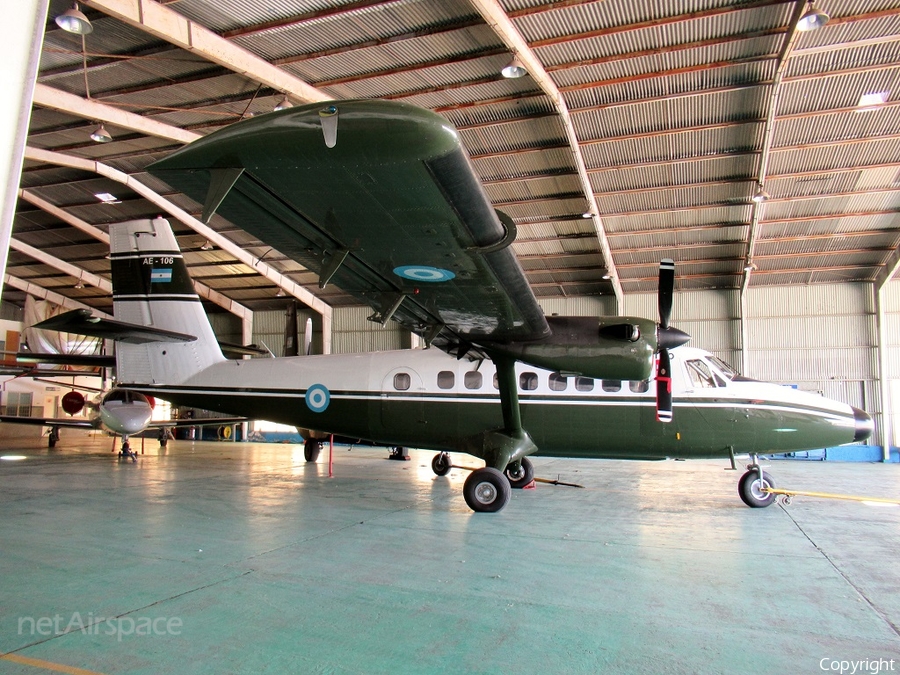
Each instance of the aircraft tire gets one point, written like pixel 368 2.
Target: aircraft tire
pixel 748 489
pixel 524 476
pixel 486 490
pixel 440 464
pixel 311 449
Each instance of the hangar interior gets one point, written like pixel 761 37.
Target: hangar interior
pixel 754 142
pixel 760 156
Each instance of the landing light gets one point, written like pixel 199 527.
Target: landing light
pixel 12 458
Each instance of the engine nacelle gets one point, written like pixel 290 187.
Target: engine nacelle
pixel 614 348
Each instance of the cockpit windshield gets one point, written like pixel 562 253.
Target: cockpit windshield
pixel 726 370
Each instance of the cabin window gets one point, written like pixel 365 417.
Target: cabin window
pixel 446 379
pixel 584 384
pixel 401 381
pixel 639 386
pixel 472 380
pixel 528 381
pixel 611 385
pixel 701 377
pixel 558 382
pixel 496 382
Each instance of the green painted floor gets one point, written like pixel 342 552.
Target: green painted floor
pixel 241 558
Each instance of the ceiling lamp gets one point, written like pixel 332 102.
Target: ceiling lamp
pixel 760 196
pixel 280 293
pixel 207 246
pixel 284 104
pixel 514 69
pixel 101 135
pixel 73 21
pixel 813 19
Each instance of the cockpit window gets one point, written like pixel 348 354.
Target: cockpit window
pixel 727 370
pixel 700 374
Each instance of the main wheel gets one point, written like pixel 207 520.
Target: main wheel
pixel 522 477
pixel 440 464
pixel 486 490
pixel 750 490
pixel 311 449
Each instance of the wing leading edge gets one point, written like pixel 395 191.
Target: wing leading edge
pixel 379 198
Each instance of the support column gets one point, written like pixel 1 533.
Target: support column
pixel 745 336
pixel 21 54
pixel 884 383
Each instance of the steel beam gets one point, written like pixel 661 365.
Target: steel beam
pixel 55 99
pixel 50 296
pixel 279 279
pixel 169 25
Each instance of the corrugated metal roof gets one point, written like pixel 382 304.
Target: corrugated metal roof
pixel 667 99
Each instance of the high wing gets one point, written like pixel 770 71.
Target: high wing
pixel 50 421
pixel 379 198
pixel 198 422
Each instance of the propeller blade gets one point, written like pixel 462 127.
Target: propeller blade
pixel 663 387
pixel 666 290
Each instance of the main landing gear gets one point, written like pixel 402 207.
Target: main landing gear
pixel 752 484
pixel 488 490
pixel 311 449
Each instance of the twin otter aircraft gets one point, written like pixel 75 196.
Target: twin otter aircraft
pixel 380 198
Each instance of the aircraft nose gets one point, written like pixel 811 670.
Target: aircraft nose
pixel 864 424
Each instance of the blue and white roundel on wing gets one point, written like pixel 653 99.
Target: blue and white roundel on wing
pixel 317 398
pixel 424 273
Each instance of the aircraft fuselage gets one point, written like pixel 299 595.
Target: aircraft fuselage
pixel 428 399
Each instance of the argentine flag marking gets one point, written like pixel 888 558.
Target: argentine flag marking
pixel 161 275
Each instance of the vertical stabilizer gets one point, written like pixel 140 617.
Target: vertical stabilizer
pixel 152 287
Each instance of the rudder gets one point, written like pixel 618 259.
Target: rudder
pixel 152 287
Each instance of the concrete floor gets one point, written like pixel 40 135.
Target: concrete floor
pixel 251 561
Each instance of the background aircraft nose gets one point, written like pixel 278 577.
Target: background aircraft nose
pixel 864 425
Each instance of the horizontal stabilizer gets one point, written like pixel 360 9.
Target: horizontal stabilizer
pixel 94 360
pixel 241 350
pixel 83 322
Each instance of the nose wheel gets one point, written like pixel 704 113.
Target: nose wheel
pixel 751 485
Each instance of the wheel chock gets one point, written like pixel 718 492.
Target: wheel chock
pixel 530 486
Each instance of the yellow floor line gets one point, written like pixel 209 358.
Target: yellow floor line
pixel 47 665
pixel 826 495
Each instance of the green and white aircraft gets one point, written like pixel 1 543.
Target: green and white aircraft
pixel 380 198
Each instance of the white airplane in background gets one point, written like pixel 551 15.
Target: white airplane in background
pixel 121 411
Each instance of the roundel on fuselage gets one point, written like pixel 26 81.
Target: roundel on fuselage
pixel 317 398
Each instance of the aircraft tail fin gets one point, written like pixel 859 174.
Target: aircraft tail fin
pixel 152 287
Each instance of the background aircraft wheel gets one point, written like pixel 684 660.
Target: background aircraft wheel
pixel 311 449
pixel 523 476
pixel 440 464
pixel 486 490
pixel 751 491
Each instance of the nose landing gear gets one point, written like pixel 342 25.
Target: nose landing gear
pixel 752 484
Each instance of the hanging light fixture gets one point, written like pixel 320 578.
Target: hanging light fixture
pixel 280 293
pixel 514 69
pixel 760 196
pixel 284 104
pixel 74 21
pixel 101 135
pixel 813 19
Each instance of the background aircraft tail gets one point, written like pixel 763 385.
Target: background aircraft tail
pixel 152 287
